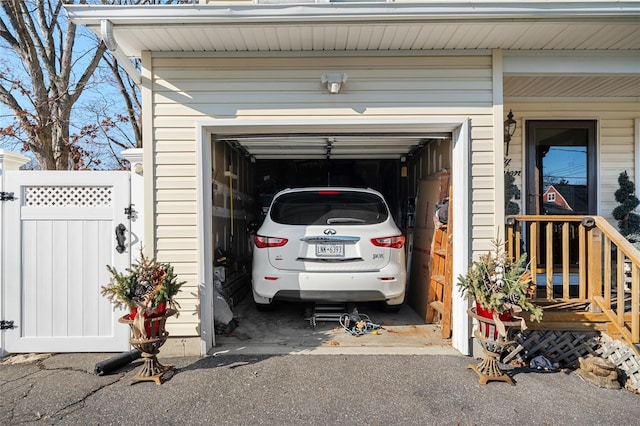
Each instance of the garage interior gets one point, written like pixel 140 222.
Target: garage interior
pixel 248 169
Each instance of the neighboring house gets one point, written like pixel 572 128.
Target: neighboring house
pixel 236 92
pixel 566 199
pixel 553 196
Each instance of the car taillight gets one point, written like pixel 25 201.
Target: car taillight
pixel 265 242
pixel 391 242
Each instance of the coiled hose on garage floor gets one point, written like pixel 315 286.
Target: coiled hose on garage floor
pixel 358 324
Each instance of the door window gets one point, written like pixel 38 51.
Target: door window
pixel 561 178
pixel 561 172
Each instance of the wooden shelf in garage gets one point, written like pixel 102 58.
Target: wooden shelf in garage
pixel 440 278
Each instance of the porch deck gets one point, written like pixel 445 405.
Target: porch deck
pixel 587 275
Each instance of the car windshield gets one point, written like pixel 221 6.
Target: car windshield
pixel 329 207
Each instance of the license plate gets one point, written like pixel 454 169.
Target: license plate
pixel 330 250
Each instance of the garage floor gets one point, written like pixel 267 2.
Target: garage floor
pixel 285 330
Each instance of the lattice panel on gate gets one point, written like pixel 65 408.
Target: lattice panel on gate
pixel 625 359
pixel 563 347
pixel 67 196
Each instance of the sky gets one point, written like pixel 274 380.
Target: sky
pixel 566 162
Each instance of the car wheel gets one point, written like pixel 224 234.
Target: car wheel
pixel 264 307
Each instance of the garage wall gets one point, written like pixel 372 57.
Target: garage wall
pixel 616 138
pixel 192 88
pixel 232 177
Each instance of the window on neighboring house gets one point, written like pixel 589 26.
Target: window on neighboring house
pixel 551 196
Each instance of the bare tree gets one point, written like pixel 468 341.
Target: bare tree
pixel 44 41
pixel 130 92
pixel 131 116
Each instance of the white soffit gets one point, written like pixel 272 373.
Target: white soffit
pixel 572 86
pixel 596 29
pixel 575 74
pixel 404 26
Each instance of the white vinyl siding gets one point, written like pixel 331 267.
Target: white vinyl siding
pixel 187 90
pixel 615 138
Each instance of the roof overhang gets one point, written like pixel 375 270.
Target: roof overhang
pixel 348 26
pixel 569 49
pixel 550 48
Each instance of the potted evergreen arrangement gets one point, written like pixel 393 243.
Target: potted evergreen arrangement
pixel 501 287
pixel 628 220
pixel 148 287
pixel 624 213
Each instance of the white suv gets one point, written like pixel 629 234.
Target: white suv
pixel 329 245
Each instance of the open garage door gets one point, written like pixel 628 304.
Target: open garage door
pixel 239 158
pixel 248 169
pixel 333 146
pixel 385 161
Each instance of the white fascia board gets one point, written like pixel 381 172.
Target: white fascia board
pixel 473 10
pixel 319 54
pixel 577 63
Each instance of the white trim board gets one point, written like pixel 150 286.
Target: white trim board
pixel 459 126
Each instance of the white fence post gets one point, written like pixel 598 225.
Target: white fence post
pixel 134 156
pixel 8 161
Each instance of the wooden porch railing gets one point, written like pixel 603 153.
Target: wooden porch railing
pixel 586 272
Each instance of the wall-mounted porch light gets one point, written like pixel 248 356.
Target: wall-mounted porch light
pixel 333 81
pixel 509 130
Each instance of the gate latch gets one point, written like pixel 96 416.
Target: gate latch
pixel 7 325
pixel 130 212
pixel 7 196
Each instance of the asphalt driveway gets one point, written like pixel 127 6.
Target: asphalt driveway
pixel 302 389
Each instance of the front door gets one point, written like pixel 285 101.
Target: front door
pixel 561 175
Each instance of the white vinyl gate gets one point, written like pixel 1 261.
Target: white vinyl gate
pixel 59 234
